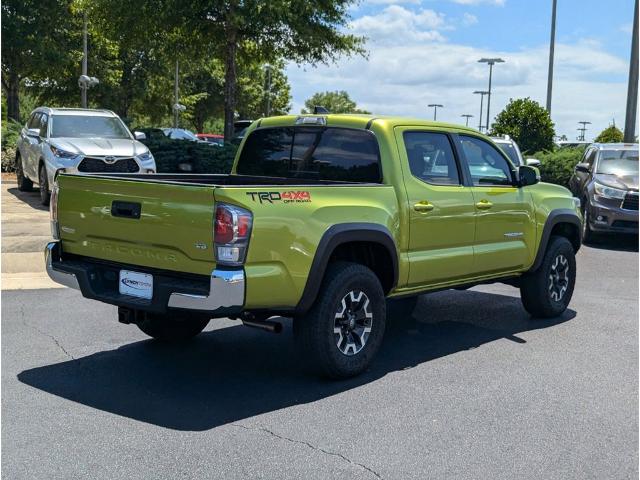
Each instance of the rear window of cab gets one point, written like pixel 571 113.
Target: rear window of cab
pixel 313 153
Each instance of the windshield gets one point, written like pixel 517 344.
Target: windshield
pixel 511 152
pixel 618 162
pixel 86 126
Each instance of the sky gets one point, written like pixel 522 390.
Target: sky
pixel 427 51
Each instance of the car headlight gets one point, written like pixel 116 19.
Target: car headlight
pixel 62 153
pixel 145 157
pixel 609 192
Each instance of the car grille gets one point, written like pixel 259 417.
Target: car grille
pixel 98 165
pixel 630 201
pixel 624 224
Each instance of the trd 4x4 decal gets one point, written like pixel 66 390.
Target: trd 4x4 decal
pixel 292 196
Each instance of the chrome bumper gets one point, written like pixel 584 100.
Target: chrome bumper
pixel 63 278
pixel 225 290
pixel 226 287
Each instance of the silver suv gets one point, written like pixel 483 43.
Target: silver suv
pixel 76 140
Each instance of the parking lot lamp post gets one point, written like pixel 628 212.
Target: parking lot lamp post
pixel 482 93
pixel 491 62
pixel 632 90
pixel 85 81
pixel 435 109
pixel 267 69
pixel 583 129
pixel 552 45
pixel 467 117
pixel 176 98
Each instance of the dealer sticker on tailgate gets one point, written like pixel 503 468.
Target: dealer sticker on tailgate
pixel 136 284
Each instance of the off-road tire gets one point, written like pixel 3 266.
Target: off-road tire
pixel 540 295
pixel 43 184
pixel 315 333
pixel 24 184
pixel 172 328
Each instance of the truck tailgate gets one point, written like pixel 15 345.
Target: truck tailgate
pixel 167 226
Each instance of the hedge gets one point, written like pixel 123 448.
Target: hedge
pixel 557 166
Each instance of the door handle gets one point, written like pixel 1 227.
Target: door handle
pixel 423 206
pixel 484 205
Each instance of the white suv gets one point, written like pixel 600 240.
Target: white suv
pixel 510 147
pixel 76 140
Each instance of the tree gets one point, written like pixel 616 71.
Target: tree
pixel 296 30
pixel 528 123
pixel 611 134
pixel 336 102
pixel 38 40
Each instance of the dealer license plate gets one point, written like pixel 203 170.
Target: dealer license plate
pixel 136 284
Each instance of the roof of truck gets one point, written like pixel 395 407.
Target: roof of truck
pixel 359 121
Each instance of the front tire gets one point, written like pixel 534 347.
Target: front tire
pixel 587 233
pixel 546 293
pixel 24 184
pixel 43 181
pixel 343 330
pixel 171 328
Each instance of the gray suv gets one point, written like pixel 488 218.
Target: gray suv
pixel 606 182
pixel 76 140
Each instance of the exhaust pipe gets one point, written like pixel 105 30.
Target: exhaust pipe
pixel 268 325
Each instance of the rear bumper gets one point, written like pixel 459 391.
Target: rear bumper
pixel 219 295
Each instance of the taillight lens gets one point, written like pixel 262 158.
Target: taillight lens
pixel 232 229
pixel 53 212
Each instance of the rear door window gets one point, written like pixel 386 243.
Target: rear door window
pixel 314 153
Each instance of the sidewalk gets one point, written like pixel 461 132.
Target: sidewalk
pixel 25 232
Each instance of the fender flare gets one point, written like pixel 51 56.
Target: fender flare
pixel 557 216
pixel 335 236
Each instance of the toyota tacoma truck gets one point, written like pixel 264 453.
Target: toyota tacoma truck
pixel 324 218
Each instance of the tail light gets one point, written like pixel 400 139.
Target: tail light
pixel 231 232
pixel 53 212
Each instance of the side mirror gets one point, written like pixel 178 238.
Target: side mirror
pixel 582 168
pixel 532 162
pixel 140 135
pixel 528 175
pixel 33 132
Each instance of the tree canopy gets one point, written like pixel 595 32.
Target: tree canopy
pixel 611 134
pixel 336 102
pixel 528 123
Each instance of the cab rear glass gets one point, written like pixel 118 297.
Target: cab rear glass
pixel 313 153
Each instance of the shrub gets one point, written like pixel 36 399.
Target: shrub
pixel 202 158
pixel 611 134
pixel 10 133
pixel 557 166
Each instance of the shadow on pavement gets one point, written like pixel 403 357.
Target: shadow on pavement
pixel 30 198
pixel 615 242
pixel 234 373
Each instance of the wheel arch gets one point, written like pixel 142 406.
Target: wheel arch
pixel 562 222
pixel 369 244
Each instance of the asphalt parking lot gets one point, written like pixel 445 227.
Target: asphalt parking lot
pixel 474 390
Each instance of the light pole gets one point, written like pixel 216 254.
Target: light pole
pixel 482 93
pixel 467 117
pixel 435 109
pixel 552 44
pixel 583 129
pixel 177 107
pixel 632 91
pixel 491 62
pixel 85 81
pixel 267 69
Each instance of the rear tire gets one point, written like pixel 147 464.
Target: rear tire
pixel 24 184
pixel 546 293
pixel 43 181
pixel 171 328
pixel 343 330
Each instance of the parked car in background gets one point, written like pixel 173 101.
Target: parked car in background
pixel 76 141
pixel 181 134
pixel 212 138
pixel 606 182
pixel 510 147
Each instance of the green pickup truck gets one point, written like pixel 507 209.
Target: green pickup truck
pixel 328 219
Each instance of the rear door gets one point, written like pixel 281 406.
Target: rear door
pixel 505 225
pixel 442 223
pixel 31 150
pixel 155 224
